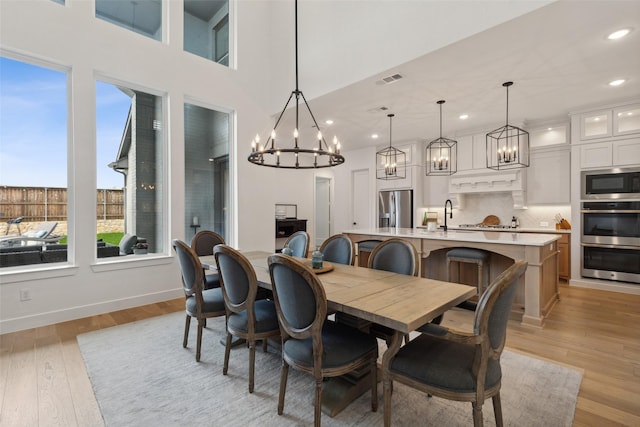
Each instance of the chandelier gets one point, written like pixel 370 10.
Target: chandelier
pixel 507 146
pixel 442 154
pixel 391 161
pixel 317 154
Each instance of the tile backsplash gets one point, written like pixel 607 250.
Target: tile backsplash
pixel 477 206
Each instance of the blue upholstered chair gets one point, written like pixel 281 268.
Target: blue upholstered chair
pixel 460 366
pixel 338 248
pixel 310 342
pixel 298 242
pixel 202 244
pixel 199 303
pixel 247 317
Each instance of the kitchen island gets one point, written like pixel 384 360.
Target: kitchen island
pixel 536 296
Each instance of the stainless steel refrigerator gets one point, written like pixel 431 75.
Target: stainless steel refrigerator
pixel 395 208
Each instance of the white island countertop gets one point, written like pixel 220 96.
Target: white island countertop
pixel 501 237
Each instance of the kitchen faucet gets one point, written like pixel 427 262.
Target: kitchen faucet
pixel 448 202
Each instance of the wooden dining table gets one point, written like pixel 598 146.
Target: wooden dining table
pixel 401 302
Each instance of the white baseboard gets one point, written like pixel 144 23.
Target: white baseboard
pixel 606 285
pixel 72 313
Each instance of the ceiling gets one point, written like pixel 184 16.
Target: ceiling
pixel 558 57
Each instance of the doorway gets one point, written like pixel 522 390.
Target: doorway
pixel 323 210
pixel 360 199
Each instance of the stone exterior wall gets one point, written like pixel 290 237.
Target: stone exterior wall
pixel 104 226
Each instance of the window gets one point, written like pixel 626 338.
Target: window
pixel 206 29
pixel 130 152
pixel 207 186
pixel 142 16
pixel 33 162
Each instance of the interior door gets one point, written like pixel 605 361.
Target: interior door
pixel 323 209
pixel 360 200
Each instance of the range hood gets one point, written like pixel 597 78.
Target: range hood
pixel 475 182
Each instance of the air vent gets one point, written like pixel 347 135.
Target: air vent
pixel 389 79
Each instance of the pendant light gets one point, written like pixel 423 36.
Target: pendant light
pixel 442 154
pixel 507 146
pixel 391 162
pixel 317 154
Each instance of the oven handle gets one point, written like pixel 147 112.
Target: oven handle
pixel 631 211
pixel 595 245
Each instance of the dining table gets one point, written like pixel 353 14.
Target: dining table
pixel 400 302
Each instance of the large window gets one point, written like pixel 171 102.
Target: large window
pixel 206 29
pixel 142 16
pixel 130 147
pixel 207 186
pixel 33 164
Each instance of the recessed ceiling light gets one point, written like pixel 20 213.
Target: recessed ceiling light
pixel 464 116
pixel 619 34
pixel 329 122
pixel 374 136
pixel 549 129
pixel 617 82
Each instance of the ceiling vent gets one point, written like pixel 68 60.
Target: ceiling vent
pixel 389 79
pixel 378 109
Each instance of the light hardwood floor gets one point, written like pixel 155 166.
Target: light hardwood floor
pixel 43 381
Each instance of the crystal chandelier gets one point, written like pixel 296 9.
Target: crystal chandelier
pixel 507 146
pixel 317 154
pixel 442 154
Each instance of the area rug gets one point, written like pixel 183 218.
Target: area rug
pixel 142 376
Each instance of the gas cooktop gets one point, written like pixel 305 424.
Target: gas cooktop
pixel 484 226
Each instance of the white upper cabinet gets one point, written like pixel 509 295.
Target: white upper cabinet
pixel 622 152
pixel 472 151
pixel 465 153
pixel 595 125
pixel 626 120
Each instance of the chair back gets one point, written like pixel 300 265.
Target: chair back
pixel 395 255
pixel 204 241
pixel 237 279
pixel 190 268
pixel 338 248
pixel 494 306
pixel 301 302
pixel 126 244
pixel 298 242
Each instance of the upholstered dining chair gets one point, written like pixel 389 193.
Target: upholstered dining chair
pixel 398 256
pixel 298 242
pixel 247 317
pixel 459 366
pixel 200 303
pixel 310 342
pixel 202 244
pixel 338 248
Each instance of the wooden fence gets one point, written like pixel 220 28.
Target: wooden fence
pixel 50 204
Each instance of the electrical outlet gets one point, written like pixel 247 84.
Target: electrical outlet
pixel 544 224
pixel 25 294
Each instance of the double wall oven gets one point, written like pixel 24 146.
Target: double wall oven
pixel 611 224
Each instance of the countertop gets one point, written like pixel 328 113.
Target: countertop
pixel 510 230
pixel 464 235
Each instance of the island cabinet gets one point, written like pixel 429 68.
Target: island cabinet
pixel 537 292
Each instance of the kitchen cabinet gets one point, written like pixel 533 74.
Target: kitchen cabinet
pixel 548 177
pixel 435 190
pixel 564 257
pixel 472 151
pixel 596 124
pixel 622 152
pixel 626 120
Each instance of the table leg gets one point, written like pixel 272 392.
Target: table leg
pixel 388 355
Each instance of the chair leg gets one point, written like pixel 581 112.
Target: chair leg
pixel 477 414
pixel 283 386
pixel 200 325
pixel 386 390
pixel 264 345
pixel 497 410
pixel 227 350
pixel 252 362
pixel 374 384
pixel 317 413
pixel 187 323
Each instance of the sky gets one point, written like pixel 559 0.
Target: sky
pixel 33 127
